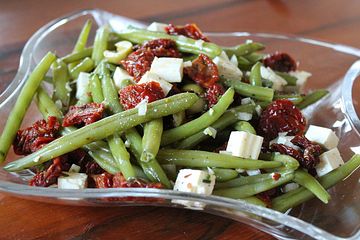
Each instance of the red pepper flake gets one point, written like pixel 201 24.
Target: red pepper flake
pixel 281 62
pixel 139 62
pixel 87 113
pixel 189 30
pixel 213 94
pixel 276 176
pixel 132 95
pixel 281 116
pixel 33 138
pixel 203 71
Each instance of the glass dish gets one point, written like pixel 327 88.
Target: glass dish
pixel 328 63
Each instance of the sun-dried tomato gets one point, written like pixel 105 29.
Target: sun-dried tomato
pixel 107 180
pixel 281 116
pixel 139 62
pixel 203 71
pixel 276 176
pixel 33 138
pixel 213 94
pixel 132 95
pixel 307 155
pixel 87 113
pixel 51 174
pixel 189 30
pixel 281 62
pixel 162 48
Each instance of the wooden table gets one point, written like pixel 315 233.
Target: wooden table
pixel 330 20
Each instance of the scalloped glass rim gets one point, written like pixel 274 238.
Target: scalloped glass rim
pixel 217 205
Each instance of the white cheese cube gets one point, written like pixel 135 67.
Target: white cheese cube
pixel 253 172
pixel 234 60
pixel 169 69
pixel 289 187
pixel 194 181
pixel 226 68
pixel 301 76
pixel 323 136
pixel 74 168
pixel 120 75
pixel 244 144
pixel 82 84
pixel 329 161
pixel 187 64
pixel 72 181
pixel 286 140
pixel 157 27
pixel 152 77
pixel 268 74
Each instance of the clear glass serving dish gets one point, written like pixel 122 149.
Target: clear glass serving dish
pixel 329 64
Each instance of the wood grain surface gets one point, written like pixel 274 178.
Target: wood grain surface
pixel 330 20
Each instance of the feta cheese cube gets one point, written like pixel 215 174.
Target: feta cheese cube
pixel 286 140
pixel 194 181
pixel 268 74
pixel 329 161
pixel 120 75
pixel 169 69
pixel 187 64
pixel 234 60
pixel 210 131
pixel 301 76
pixel 226 68
pixel 82 84
pixel 323 136
pixel 289 187
pixel 157 27
pixel 152 77
pixel 142 106
pixel 74 168
pixel 253 172
pixel 244 144
pixel 72 181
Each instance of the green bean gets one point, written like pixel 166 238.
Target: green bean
pixel 121 155
pixel 312 98
pixel 255 188
pixel 300 195
pixel 152 169
pixel 244 126
pixel 255 75
pixel 100 44
pixel 243 49
pixel 151 139
pixel 201 159
pixel 291 80
pixel 82 40
pixel 98 150
pixel 110 94
pixel 95 88
pixel 295 98
pixel 85 65
pixel 256 92
pixel 255 201
pixel 22 104
pixel 192 87
pixel 227 119
pixel 60 81
pixel 201 122
pixel 104 128
pixel 306 180
pixel 75 57
pixel 289 163
pixel 254 57
pixel 223 175
pixel 184 44
pixel 241 181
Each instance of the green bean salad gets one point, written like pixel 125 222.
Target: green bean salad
pixel 164 107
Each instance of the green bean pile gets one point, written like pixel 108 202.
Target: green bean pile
pixel 172 134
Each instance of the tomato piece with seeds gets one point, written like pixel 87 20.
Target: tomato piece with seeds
pixel 84 114
pixel 281 62
pixel 189 30
pixel 203 71
pixel 213 94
